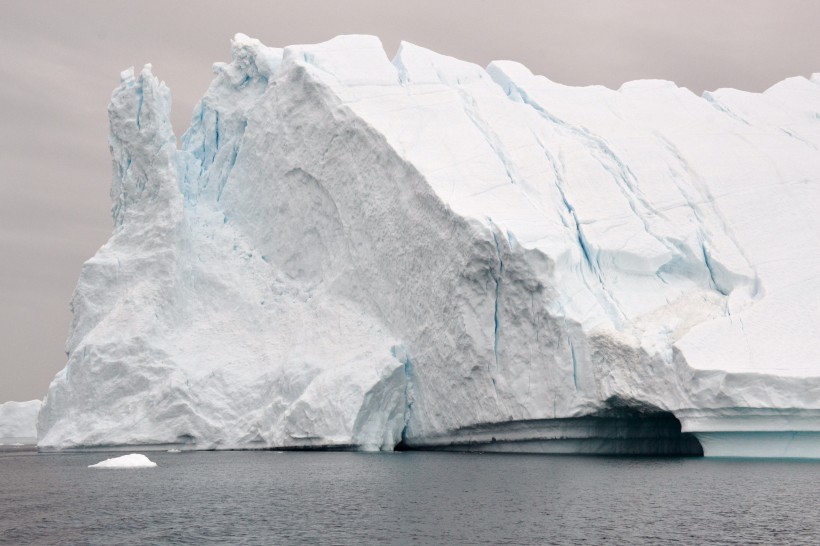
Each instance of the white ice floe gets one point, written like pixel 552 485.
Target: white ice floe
pixel 134 460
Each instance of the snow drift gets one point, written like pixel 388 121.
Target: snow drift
pixel 349 252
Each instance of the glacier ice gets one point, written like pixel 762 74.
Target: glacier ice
pixel 134 460
pixel 18 421
pixel 353 252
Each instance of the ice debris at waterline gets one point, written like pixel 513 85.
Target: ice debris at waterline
pixel 349 252
pixel 134 460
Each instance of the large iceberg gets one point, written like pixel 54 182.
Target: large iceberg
pixel 349 252
pixel 18 421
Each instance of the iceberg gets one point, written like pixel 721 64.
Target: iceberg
pixel 18 422
pixel 134 460
pixel 349 252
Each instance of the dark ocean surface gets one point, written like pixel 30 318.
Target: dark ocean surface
pixel 411 497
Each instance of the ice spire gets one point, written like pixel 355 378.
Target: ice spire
pixel 142 141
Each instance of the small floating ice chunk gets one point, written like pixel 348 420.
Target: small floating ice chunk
pixel 134 460
pixel 174 450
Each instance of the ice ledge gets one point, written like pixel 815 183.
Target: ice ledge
pixel 758 445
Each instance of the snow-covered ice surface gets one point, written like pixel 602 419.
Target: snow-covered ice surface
pixel 352 252
pixel 18 422
pixel 134 460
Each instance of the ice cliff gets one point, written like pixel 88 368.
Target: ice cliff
pixel 18 421
pixel 351 252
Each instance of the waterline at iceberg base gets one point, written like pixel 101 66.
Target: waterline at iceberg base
pixel 352 252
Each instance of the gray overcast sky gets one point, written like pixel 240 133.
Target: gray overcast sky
pixel 60 60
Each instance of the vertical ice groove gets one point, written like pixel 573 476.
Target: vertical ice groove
pixel 497 294
pixel 622 175
pixel 691 202
pixel 216 132
pixel 625 181
pixel 401 70
pixel 708 263
pixel 559 185
pixel 792 134
pixel 574 364
pixel 237 145
pixel 469 106
pixel 224 179
pixel 140 98
pixel 471 110
pixel 408 400
pixel 327 148
pixel 197 152
pixel 704 197
pixel 496 323
pixel 607 298
pixel 721 107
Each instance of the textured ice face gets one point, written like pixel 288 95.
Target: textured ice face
pixel 18 420
pixel 348 251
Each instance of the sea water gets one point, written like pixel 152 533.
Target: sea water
pixel 412 497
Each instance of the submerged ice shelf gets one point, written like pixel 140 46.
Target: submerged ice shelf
pixel 353 252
